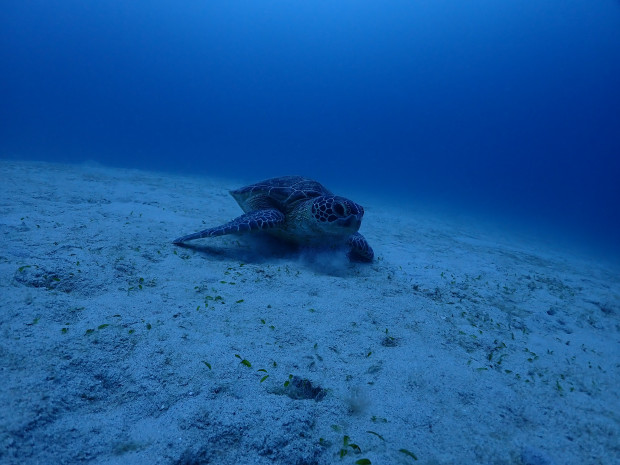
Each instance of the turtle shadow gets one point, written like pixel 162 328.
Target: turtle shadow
pixel 252 250
pixel 260 250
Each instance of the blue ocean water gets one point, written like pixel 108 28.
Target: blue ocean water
pixel 510 107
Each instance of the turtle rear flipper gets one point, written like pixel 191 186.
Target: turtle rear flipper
pixel 257 220
pixel 360 249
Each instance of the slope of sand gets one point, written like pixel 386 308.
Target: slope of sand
pixel 454 346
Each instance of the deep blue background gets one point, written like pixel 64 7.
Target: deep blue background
pixel 508 107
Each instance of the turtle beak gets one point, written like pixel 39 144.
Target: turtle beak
pixel 351 221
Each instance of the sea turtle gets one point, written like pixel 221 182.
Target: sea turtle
pixel 298 210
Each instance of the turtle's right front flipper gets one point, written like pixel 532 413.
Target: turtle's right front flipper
pixel 360 249
pixel 257 220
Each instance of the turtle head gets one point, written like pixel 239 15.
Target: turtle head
pixel 337 214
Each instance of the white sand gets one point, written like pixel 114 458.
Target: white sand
pixel 458 345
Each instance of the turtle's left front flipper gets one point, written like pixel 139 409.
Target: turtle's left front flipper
pixel 257 220
pixel 360 250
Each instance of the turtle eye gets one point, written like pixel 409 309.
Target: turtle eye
pixel 339 209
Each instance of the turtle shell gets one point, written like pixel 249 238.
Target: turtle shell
pixel 281 193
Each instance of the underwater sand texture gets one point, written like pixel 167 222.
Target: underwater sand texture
pixel 455 346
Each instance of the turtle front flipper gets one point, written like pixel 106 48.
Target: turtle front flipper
pixel 257 220
pixel 360 250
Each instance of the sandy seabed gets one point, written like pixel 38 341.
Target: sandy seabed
pixel 457 345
